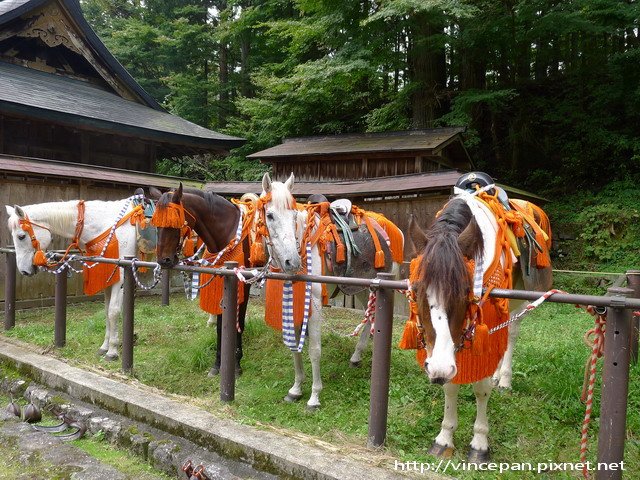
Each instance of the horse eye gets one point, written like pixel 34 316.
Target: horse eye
pixel 22 236
pixel 269 216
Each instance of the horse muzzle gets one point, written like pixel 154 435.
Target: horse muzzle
pixel 168 262
pixel 440 374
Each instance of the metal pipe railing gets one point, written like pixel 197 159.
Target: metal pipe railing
pixel 620 334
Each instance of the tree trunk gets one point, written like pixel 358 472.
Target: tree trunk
pixel 427 69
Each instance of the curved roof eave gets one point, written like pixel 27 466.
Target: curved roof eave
pixel 15 8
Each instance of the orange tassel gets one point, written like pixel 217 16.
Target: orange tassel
pixel 257 254
pixel 39 259
pixel 543 260
pixel 379 263
pixel 409 340
pixel 421 356
pixel 188 249
pixel 340 253
pixel 169 216
pixel 102 275
pixel 480 342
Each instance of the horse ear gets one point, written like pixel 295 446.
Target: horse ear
pixel 154 193
pixel 471 241
pixel 177 195
pixel 19 211
pixel 10 210
pixel 266 182
pixel 289 182
pixel 417 239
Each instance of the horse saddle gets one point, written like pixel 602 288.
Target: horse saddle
pixel 341 214
pixel 146 235
pixel 362 264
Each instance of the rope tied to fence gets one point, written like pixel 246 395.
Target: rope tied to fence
pixel 593 338
pixel 370 312
pixel 156 275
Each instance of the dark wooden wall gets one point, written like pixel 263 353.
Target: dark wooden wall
pixel 336 168
pixel 31 138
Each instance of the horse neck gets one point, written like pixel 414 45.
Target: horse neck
pixel 215 223
pixel 59 217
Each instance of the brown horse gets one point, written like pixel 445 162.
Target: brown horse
pixel 470 239
pixel 215 220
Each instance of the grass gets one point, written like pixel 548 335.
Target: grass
pixel 12 461
pixel 539 421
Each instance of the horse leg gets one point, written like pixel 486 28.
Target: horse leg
pixel 479 451
pixel 443 444
pixel 105 344
pixel 356 358
pixel 212 320
pixel 502 377
pixel 315 349
pixel 215 368
pixel 115 295
pixel 295 393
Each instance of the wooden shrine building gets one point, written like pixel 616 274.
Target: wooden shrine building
pixel 74 123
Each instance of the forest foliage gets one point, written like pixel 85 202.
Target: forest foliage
pixel 549 89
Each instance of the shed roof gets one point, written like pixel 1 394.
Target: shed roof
pixel 372 187
pixel 431 140
pixel 52 97
pixel 397 185
pixel 23 166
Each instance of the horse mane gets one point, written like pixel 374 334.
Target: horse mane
pixel 281 197
pixel 62 218
pixel 443 264
pixel 209 197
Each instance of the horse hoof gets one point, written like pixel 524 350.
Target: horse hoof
pixel 111 357
pixel 355 364
pixel 213 372
pixel 312 408
pixel 440 451
pixel 478 456
pixel 292 398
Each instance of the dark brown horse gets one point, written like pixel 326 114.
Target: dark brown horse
pixel 470 240
pixel 215 220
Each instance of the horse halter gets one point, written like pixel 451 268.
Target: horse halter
pixel 39 258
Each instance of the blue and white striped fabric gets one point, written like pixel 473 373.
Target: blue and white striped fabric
pixel 478 277
pixel 288 327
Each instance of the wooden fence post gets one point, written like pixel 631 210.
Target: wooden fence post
pixel 381 364
pixel 60 321
pixel 129 288
pixel 615 388
pixel 166 286
pixel 10 291
pixel 228 340
pixel 633 282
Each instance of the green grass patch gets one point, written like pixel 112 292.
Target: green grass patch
pixel 539 421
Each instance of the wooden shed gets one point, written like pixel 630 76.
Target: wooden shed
pixel 394 173
pixel 73 122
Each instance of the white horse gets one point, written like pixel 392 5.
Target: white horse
pixel 60 218
pixel 285 225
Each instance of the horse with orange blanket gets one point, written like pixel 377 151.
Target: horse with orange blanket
pixel 475 244
pixel 303 239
